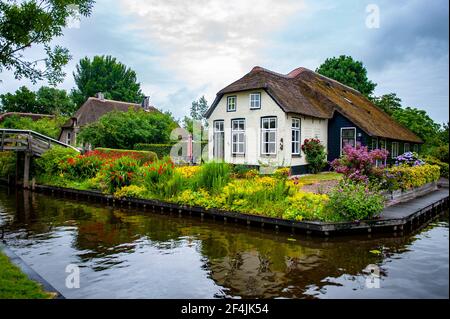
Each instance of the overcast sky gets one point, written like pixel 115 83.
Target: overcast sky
pixel 184 49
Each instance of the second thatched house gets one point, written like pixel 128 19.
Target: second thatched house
pixel 92 110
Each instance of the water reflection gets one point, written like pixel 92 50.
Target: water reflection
pixel 133 254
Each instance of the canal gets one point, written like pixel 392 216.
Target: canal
pixel 125 253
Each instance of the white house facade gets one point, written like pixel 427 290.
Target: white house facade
pixel 264 118
pixel 250 128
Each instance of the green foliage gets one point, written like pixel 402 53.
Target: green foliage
pixel 161 150
pixel 123 130
pixel 306 206
pixel 414 176
pixel 315 153
pixel 444 167
pixel 349 72
pixel 52 161
pixel 15 285
pixel 240 170
pixel 419 122
pixel 132 191
pixel 107 75
pixel 47 126
pixel 120 173
pixel 7 163
pixel 213 176
pixel 82 167
pixel 140 156
pixel 30 23
pixel 389 103
pixel 352 201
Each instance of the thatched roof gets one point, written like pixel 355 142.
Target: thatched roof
pixel 33 116
pixel 94 108
pixel 306 92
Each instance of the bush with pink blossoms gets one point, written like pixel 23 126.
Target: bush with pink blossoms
pixel 357 163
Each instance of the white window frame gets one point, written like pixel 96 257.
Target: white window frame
pixel 268 130
pixel 217 133
pixel 404 148
pixel 296 143
pixel 234 98
pixel 374 139
pixel 383 141
pixel 347 128
pixel 394 154
pixel 240 140
pixel 251 101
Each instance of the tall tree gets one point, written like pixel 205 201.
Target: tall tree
pixel 46 100
pixel 419 122
pixel 29 23
pixel 388 102
pixel 346 70
pixel 107 75
pixel 198 109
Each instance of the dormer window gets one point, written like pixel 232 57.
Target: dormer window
pixel 231 104
pixel 255 100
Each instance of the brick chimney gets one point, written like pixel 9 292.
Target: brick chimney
pixel 100 96
pixel 146 103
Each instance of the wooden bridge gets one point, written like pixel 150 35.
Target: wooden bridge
pixel 30 143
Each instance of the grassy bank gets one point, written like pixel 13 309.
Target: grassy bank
pixel 15 285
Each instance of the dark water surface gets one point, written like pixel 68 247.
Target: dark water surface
pixel 132 254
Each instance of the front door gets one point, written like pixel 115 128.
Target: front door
pixel 219 140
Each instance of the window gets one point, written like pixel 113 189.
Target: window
pixel 394 151
pixel 406 148
pixel 374 143
pixel 69 138
pixel 382 144
pixel 238 137
pixel 218 139
pixel 295 136
pixel 416 148
pixel 255 101
pixel 231 104
pixel 348 137
pixel 268 135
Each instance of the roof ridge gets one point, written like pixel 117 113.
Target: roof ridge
pixel 114 101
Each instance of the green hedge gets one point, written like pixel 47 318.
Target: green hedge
pixel 160 150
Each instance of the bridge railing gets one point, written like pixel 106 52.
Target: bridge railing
pixel 27 140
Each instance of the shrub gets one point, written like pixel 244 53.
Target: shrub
pixel 48 126
pixel 161 179
pixel 351 201
pixel 357 163
pixel 120 173
pixel 315 154
pixel 414 176
pixel 442 165
pixel 112 154
pixel 282 173
pixel 213 176
pixel 82 166
pixel 131 191
pixel 188 171
pixel 52 162
pixel 306 206
pixel 7 163
pixel 161 150
pixel 409 159
pixel 239 170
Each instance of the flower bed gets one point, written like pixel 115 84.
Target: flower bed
pixel 128 174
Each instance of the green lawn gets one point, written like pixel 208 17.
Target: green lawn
pixel 15 285
pixel 315 178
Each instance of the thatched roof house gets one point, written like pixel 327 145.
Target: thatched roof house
pixel 325 107
pixel 92 110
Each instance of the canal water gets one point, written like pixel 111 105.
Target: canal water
pixel 125 253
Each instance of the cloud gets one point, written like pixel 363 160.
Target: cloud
pixel 209 42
